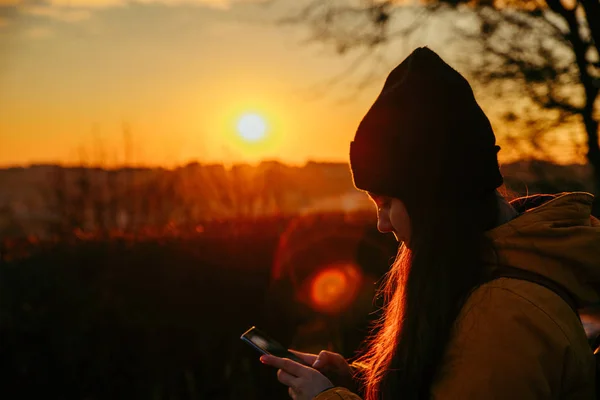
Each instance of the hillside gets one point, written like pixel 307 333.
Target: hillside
pixel 46 199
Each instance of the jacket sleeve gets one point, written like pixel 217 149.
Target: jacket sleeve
pixel 340 393
pixel 504 347
pixel 337 393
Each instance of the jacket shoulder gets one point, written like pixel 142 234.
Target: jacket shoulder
pixel 544 307
pixel 337 393
pixel 517 336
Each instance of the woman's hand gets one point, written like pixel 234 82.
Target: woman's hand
pixel 333 365
pixel 304 382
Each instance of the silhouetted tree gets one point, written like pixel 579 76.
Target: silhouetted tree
pixel 551 47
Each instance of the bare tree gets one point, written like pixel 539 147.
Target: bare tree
pixel 549 48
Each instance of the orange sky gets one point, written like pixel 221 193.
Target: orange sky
pixel 179 74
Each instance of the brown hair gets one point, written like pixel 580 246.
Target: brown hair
pixel 424 292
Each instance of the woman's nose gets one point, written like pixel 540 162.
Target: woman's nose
pixel 384 225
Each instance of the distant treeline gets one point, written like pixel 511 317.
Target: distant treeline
pixel 47 201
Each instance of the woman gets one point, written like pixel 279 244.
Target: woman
pixel 426 154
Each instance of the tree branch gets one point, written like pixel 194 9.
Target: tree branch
pixel 592 12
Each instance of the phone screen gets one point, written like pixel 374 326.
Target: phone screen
pixel 266 345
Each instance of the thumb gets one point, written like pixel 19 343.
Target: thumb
pixel 306 357
pixel 324 360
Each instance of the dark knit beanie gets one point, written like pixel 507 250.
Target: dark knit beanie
pixel 425 135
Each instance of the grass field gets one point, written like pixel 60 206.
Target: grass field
pixel 160 318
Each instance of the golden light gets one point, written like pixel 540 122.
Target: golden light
pixel 252 127
pixel 333 289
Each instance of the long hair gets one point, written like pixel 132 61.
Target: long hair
pixel 423 293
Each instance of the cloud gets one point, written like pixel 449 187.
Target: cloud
pixel 57 13
pixel 87 4
pixel 39 32
pixel 10 3
pixel 72 11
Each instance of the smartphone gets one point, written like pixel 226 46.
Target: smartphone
pixel 267 345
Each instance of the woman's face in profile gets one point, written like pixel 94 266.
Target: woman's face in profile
pixel 392 217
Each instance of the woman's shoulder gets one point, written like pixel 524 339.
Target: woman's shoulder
pixel 524 305
pixel 515 337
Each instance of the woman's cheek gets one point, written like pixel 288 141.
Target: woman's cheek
pixel 384 223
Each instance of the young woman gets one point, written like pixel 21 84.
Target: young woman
pixel 426 154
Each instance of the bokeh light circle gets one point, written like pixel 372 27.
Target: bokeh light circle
pixel 334 288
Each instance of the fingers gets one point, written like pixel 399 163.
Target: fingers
pixel 328 359
pixel 306 357
pixel 285 364
pixel 325 358
pixel 286 378
pixel 303 382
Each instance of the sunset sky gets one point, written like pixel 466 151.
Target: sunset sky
pixel 177 75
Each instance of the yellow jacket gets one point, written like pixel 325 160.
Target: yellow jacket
pixel 516 339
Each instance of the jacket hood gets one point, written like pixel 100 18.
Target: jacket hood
pixel 557 237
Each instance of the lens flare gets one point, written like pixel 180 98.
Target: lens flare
pixel 334 288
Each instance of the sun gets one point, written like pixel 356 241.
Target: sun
pixel 252 127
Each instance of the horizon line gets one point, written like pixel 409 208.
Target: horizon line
pixel 228 165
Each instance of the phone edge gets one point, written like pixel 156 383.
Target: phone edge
pixel 261 351
pixel 294 357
